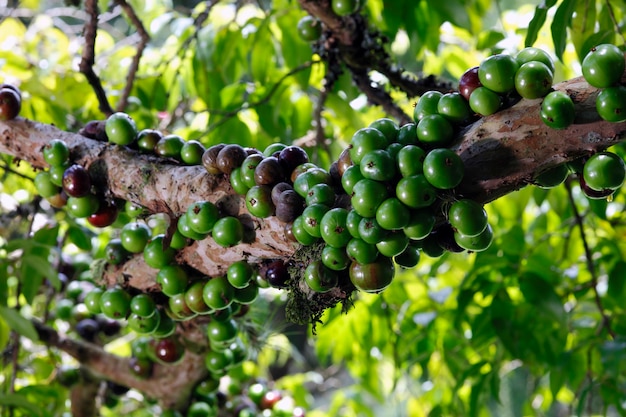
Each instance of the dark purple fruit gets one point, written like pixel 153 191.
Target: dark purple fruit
pixel 142 368
pixel 209 159
pixel 76 181
pixel 230 157
pixel 269 172
pixel 344 162
pixel 87 329
pixel 117 389
pixel 289 206
pixel 105 216
pixel 292 156
pixel 10 104
pixel 278 189
pixel 444 236
pixel 94 129
pixel 276 274
pixel 469 82
pixel 169 350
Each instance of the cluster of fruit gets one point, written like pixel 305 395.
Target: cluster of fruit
pixel 10 102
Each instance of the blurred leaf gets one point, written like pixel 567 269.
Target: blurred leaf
pixel 80 236
pixel 47 235
pixel 539 18
pixel 454 12
pixel 560 23
pixel 488 39
pixel 19 401
pixel 19 323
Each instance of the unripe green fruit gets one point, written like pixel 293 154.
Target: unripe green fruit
pixel 121 129
pixel 497 73
pixel 603 66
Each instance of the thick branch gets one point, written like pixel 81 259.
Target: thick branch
pixel 171 385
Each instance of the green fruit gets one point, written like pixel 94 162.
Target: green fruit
pixel 552 177
pixel 194 298
pixel 611 104
pixel 344 7
pixel 603 66
pixel 533 80
pixel 114 252
pixel 371 231
pixel 237 182
pixel 222 332
pixel 484 102
pixel 352 223
pixel 228 231
pixel 92 300
pixel 56 174
pixel 218 293
pixel 365 140
pixel 426 105
pixel 604 170
pixel 307 180
pixel 476 243
pixel 115 303
pixel 173 280
pixel 392 214
pixel 407 135
pixel 300 233
pixel 273 148
pixel 312 219
pixel 142 305
pixel 248 166
pixel 320 278
pixel 120 129
pixel 378 165
pixel 144 325
pixel 247 294
pixel 415 191
pixel 443 168
pixel 530 53
pixel 367 195
pixel 420 224
pixel 156 255
pixel 468 217
pixel 393 244
pixel 333 228
pixel 361 252
pixel 82 207
pixel 320 194
pixel 166 328
pixel 239 274
pixel 409 258
pixel 335 258
pixel 44 185
pixel 309 28
pixel 388 127
pixel 169 146
pixel 201 216
pixel 497 73
pixel 454 107
pixel 350 177
pixel 56 153
pixel 191 152
pixel 217 361
pixel 259 201
pixel 64 309
pixel 134 236
pixel 184 228
pixel 372 277
pixel 557 110
pixel 178 308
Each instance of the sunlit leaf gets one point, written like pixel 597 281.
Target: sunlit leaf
pixel 19 323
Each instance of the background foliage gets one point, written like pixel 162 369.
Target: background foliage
pixel 533 326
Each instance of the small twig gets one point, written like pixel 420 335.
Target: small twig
pixel 378 96
pixel 606 322
pixel 134 66
pixel 614 20
pixel 88 58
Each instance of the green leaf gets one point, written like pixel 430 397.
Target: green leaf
pixel 47 235
pixel 489 39
pixel 19 401
pixel 453 12
pixel 560 23
pixel 616 291
pixel 19 323
pixel 32 273
pixel 539 18
pixel 80 236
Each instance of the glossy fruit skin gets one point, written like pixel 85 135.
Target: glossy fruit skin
pixel 82 207
pixel 320 194
pixel 115 303
pixel 10 104
pixel 217 362
pixel 173 280
pixel 191 152
pixel 277 274
pixel 143 305
pixel 352 223
pixel 468 217
pixel 76 181
pixel 218 293
pixel 497 72
pixel 367 195
pixel 415 191
pixel 273 149
pixel 603 66
pixel 269 172
pixel 202 216
pixel 420 224
pixel 611 104
pixel 552 177
pixel 392 214
pixel 333 228
pixel 373 277
pixel 105 215
pixel 454 107
pixel 194 298
pixel 533 80
pixel 185 229
pixel 468 82
pixel 393 244
pixel 167 351
pixel 301 235
pixel 319 278
pixel 443 168
pixel 350 177
pixel 143 325
pixel 229 157
pixel 239 274
pixel 120 129
pixel 147 140
pixel 335 258
pixel 477 243
pixel 92 300
pixel 426 105
pixel 221 332
pixel 434 130
pixel 114 252
pixel 44 185
pixel 227 231
pixel 365 140
pixel 209 159
pixel 557 110
pixel 409 258
pixel 157 256
pixel 407 134
pixel 312 216
pixel 378 165
pixel 530 53
pixel 484 102
pixel 309 28
pixel 289 205
pixel 134 236
pixel 388 127
pixel 178 308
pixel 345 7
pixel 259 201
pixel 56 153
pixel 169 146
pixel 604 170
